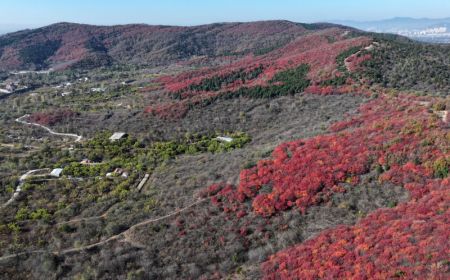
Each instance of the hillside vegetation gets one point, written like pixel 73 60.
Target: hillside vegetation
pixel 265 150
pixel 408 65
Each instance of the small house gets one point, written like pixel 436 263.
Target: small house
pixel 225 139
pixel 100 89
pixel 117 172
pixel 56 172
pixel 117 136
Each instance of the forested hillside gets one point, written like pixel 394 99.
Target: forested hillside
pixel 265 150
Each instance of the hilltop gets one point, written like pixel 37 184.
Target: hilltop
pixel 77 45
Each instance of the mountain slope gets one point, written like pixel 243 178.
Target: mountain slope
pixel 268 150
pixel 71 44
pixel 408 65
pixel 397 62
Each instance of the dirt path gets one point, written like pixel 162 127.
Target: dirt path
pixel 7 145
pixel 77 137
pixel 79 220
pixel 20 185
pixel 126 235
pixel 347 62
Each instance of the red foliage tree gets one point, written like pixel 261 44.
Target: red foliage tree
pixel 52 117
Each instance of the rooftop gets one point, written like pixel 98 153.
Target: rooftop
pixel 117 136
pixel 56 172
pixel 225 139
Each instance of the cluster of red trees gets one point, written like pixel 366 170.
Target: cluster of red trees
pixel 410 241
pixel 173 110
pixel 177 109
pixel 316 50
pixel 181 82
pixel 304 173
pixel 52 117
pixel 400 139
pixel 349 87
pixel 321 90
pixel 355 61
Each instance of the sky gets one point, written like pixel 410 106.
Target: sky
pixel 33 13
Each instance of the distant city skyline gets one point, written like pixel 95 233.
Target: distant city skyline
pixel 31 13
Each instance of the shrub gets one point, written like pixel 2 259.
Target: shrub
pixel 40 214
pixel 441 167
pixel 439 106
pixel 22 214
pixel 14 228
pixel 67 228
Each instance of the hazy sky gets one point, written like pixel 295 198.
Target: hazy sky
pixel 192 12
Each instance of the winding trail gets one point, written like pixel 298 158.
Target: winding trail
pixel 129 230
pixel 125 234
pixel 347 63
pixel 77 137
pixel 20 185
pixel 26 175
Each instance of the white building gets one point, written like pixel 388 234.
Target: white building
pixel 117 136
pixel 98 89
pixel 56 172
pixel 225 139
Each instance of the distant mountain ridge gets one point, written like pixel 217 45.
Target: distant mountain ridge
pixel 8 28
pixel 64 45
pixel 423 29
